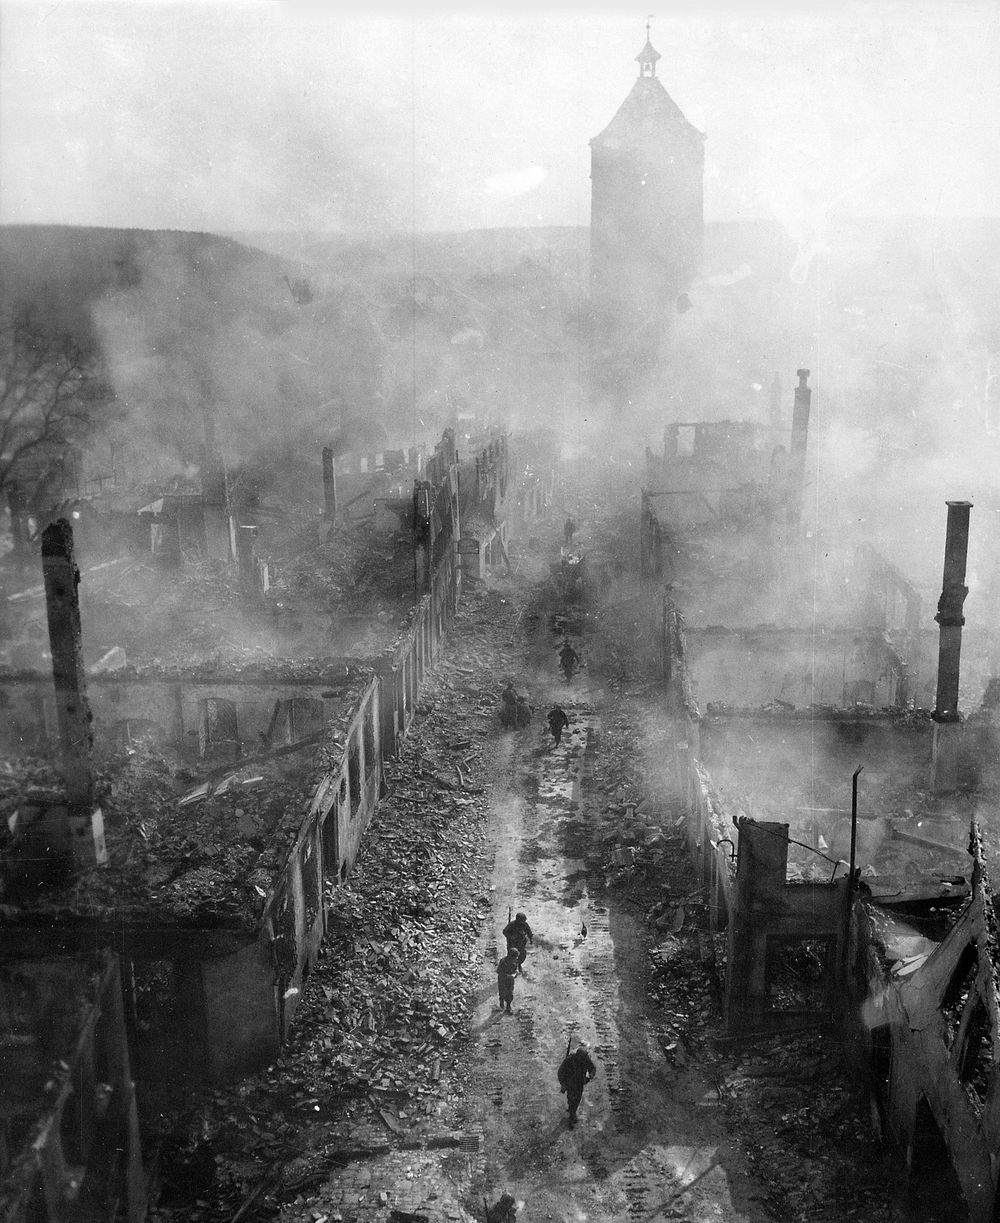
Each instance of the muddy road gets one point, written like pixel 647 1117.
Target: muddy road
pixel 650 1141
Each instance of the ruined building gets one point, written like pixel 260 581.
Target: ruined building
pixel 236 791
pixel 872 917
pixel 646 231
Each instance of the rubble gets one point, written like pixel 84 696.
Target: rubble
pixel 383 1021
pixel 798 1116
pixel 804 1128
pixel 353 569
pixel 207 862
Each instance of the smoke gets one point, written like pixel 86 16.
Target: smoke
pixel 898 323
pixel 208 335
pixel 361 344
pixel 904 417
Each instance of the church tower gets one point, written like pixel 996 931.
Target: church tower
pixel 646 230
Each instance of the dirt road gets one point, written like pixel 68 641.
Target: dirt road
pixel 650 1142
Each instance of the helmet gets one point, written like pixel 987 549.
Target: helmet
pixel 520 917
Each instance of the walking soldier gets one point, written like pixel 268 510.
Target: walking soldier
pixel 557 720
pixel 574 1074
pixel 518 935
pixel 506 974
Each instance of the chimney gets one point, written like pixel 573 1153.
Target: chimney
pixel 800 438
pixel 329 484
pixel 949 613
pixel 946 742
pixel 80 839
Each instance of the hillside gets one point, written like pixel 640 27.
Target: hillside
pixel 65 270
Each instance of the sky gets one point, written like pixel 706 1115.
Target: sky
pixel 245 116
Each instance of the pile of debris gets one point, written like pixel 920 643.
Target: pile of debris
pixel 631 844
pixel 383 1024
pixel 352 569
pixel 790 1095
pixel 208 862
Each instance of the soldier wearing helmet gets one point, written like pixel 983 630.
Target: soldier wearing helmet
pixel 518 935
pixel 575 1072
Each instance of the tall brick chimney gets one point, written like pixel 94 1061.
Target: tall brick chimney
pixel 949 613
pixel 947 729
pixel 78 839
pixel 797 456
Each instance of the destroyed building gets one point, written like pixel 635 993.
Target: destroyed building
pixel 874 915
pixel 234 791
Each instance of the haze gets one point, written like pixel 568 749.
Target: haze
pixel 262 116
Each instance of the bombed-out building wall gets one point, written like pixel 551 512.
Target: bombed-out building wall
pixel 217 933
pixel 869 912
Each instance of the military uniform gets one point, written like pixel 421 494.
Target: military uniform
pixel 518 935
pixel 506 973
pixel 574 1074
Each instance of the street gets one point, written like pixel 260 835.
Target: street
pixel 649 1141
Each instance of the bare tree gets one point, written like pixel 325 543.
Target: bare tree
pixel 52 394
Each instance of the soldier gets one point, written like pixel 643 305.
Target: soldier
pixel 557 720
pixel 574 1074
pixel 518 935
pixel 508 706
pixel 507 971
pixel 522 713
pixel 569 530
pixel 568 660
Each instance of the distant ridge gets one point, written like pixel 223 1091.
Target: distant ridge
pixel 63 270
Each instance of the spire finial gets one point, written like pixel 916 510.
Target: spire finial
pixel 648 56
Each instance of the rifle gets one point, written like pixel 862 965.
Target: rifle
pixel 510 913
pixel 568 1043
pixel 486 1207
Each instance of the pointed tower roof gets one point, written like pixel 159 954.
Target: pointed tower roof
pixel 648 110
